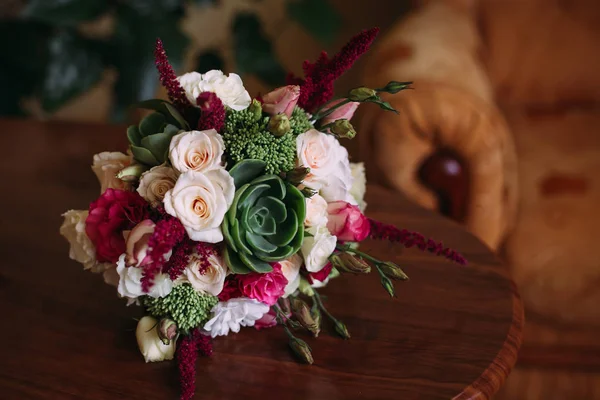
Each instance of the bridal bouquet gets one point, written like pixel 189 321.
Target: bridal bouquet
pixel 230 211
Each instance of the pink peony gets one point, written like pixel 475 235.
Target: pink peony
pixel 347 222
pixel 344 112
pixel 281 100
pixel 321 275
pixel 114 212
pixel 266 288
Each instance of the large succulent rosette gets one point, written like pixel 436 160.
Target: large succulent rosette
pixel 265 223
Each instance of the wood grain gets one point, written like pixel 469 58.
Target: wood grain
pixel 452 332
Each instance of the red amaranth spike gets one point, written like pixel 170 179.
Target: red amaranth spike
pixel 187 355
pixel 381 231
pixel 204 344
pixel 213 112
pixel 168 78
pixel 179 259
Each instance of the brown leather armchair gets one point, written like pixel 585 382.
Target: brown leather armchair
pixel 502 133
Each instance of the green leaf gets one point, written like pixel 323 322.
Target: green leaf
pixel 64 12
pixel 134 136
pixel 228 239
pixel 209 60
pixel 165 108
pixel 157 144
pixel 240 241
pixel 275 206
pixel 285 230
pixel 246 170
pixel 259 243
pixel 74 66
pixel 255 264
pixel 234 263
pixel 254 52
pixel 281 253
pixel 143 155
pixel 318 17
pixel 152 124
pixel 277 189
pixel 265 227
pixel 232 212
pixel 295 200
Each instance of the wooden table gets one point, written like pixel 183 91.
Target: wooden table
pixel 453 332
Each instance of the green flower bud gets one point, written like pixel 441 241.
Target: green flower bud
pixel 302 313
pixel 301 349
pixel 255 108
pixel 305 288
pixel 297 175
pixel 394 87
pixel 393 271
pixel 342 128
pixel 132 173
pixel 279 125
pixel 349 263
pixel 167 330
pixel 308 192
pixel 388 285
pixel 315 312
pixel 362 94
pixel 341 329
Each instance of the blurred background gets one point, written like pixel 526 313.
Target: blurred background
pixel 501 134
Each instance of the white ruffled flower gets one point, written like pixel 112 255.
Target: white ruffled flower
pixel 210 280
pixel 230 89
pixel 290 267
pixel 81 247
pixel 200 201
pixel 149 343
pixel 232 314
pixel 359 184
pixel 130 282
pixel 106 165
pixel 337 187
pixel 317 248
pixel 316 211
pixel 154 184
pixel 198 151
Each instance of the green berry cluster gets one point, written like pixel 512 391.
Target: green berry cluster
pixel 300 122
pixel 188 308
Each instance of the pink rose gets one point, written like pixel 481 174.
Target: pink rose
pixel 344 112
pixel 281 100
pixel 114 212
pixel 136 245
pixel 347 222
pixel 268 320
pixel 266 288
pixel 321 275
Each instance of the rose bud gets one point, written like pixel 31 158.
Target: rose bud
pixel 361 94
pixel 347 222
pixel 393 271
pixel 167 330
pixel 297 175
pixel 342 128
pixel 301 349
pixel 281 100
pixel 256 109
pixel 302 313
pixel 347 262
pixel 131 173
pixel 345 111
pixel 388 285
pixel 279 125
pixel 341 329
pixel 150 344
pixel 394 87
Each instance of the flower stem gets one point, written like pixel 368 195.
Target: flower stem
pixel 349 249
pixel 322 114
pixel 317 298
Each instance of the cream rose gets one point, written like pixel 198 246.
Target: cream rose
pixel 198 151
pixel 230 89
pixel 81 247
pixel 322 153
pixel 149 343
pixel 337 186
pixel 290 268
pixel 200 201
pixel 156 182
pixel 211 279
pixel 359 184
pixel 106 165
pixel 130 282
pixel 316 211
pixel 317 248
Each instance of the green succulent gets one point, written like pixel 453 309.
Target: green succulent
pixel 149 141
pixel 265 221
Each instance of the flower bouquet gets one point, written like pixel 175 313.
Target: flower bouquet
pixel 230 211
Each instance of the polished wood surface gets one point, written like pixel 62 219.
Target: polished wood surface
pixel 452 331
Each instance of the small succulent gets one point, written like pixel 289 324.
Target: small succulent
pixel 149 141
pixel 265 222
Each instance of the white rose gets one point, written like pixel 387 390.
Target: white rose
pixel 198 151
pixel 155 183
pixel 151 347
pixel 359 184
pixel 130 282
pixel 316 211
pixel 230 89
pixel 322 153
pixel 232 314
pixel 290 268
pixel 317 248
pixel 200 202
pixel 81 247
pixel 211 279
pixel 106 165
pixel 337 186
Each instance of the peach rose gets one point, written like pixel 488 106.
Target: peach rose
pixel 106 165
pixel 198 151
pixel 211 279
pixel 154 184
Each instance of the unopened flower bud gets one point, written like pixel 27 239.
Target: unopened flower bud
pixel 305 288
pixel 394 87
pixel 301 349
pixel 388 285
pixel 393 271
pixel 167 330
pixel 342 128
pixel 316 316
pixel 279 125
pixel 341 329
pixel 255 108
pixel 362 94
pixel 297 175
pixel 131 173
pixel 302 313
pixel 284 304
pixel 349 263
pixel 308 192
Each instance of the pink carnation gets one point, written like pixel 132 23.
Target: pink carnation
pixel 266 288
pixel 114 212
pixel 321 275
pixel 347 222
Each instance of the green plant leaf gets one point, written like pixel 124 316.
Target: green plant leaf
pixel 152 124
pixel 134 136
pixel 318 17
pixel 227 235
pixel 64 12
pixel 275 206
pixel 165 108
pixel 260 243
pixel 240 241
pixel 246 170
pixel 295 197
pixel 277 185
pixel 285 230
pixel 266 227
pixel 255 264
pixel 156 144
pixel 254 192
pixel 254 52
pixel 234 263
pixel 143 155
